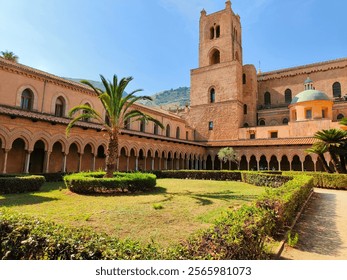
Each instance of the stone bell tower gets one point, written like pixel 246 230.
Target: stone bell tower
pixel 217 106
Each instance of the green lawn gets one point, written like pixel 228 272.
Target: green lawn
pixel 176 209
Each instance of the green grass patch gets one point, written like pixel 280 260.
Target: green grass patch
pixel 186 206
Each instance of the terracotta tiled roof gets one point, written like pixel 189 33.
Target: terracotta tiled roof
pixel 17 112
pixel 265 142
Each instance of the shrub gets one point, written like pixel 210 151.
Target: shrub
pixel 20 183
pixel 265 179
pixel 200 175
pixel 239 235
pixel 287 200
pixel 33 239
pixel 93 182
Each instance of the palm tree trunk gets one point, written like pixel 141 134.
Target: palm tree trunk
pixel 343 163
pixel 324 163
pixel 336 162
pixel 112 155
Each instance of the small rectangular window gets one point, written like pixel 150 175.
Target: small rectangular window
pixel 308 114
pixel 274 134
pixel 252 136
pixel 210 126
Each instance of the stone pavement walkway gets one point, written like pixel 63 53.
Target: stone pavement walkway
pixel 322 228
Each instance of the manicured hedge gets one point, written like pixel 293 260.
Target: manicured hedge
pixel 94 182
pixel 265 179
pixel 287 200
pixel 199 175
pixel 27 238
pixel 20 183
pixel 325 180
pixel 240 235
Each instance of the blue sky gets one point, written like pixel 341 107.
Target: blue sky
pixel 156 41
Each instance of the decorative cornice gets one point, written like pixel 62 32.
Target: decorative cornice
pixel 36 74
pixel 303 70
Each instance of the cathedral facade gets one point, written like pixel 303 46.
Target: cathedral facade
pixel 268 118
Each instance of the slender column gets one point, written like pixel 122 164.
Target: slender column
pixel 94 161
pixel 152 166
pixel 47 160
pixel 204 164
pixel 212 164
pixel 159 164
pixel 145 165
pixel 165 164
pixel 5 161
pixel 137 164
pixel 258 162
pixel 302 166
pixel 64 163
pixel 128 163
pixel 80 162
pixel 247 164
pixel 27 162
pixel 268 165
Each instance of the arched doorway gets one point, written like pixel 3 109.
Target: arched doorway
pixel 253 164
pixel 56 159
pixel 16 157
pixel 37 158
pixel 72 161
pixel 274 163
pixel 209 163
pixel 296 164
pixel 243 163
pixel 263 165
pixel 308 163
pixel 285 164
pixel 87 162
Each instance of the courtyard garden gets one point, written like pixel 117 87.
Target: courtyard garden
pixel 171 212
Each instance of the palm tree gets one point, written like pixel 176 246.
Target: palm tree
pixel 227 154
pixel 118 111
pixel 9 56
pixel 333 140
pixel 319 148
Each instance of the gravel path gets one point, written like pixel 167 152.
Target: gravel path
pixel 322 228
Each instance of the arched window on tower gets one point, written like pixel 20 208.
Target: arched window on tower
pixel 155 129
pixel 178 133
pixel 27 100
pixel 267 98
pixel 261 122
pixel 86 119
pixel 168 130
pixel 215 57
pixel 245 109
pixel 59 107
pixel 142 126
pixel 217 31
pixel 288 96
pixel 337 89
pixel 212 33
pixel 212 96
pixel 285 121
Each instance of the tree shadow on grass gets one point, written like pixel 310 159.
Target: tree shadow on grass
pixel 23 199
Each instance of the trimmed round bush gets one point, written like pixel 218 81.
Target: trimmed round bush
pixel 20 183
pixel 94 182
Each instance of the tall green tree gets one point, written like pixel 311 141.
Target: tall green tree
pixel 333 141
pixel 228 154
pixel 118 107
pixel 9 56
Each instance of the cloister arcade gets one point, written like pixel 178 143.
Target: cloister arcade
pixel 46 154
